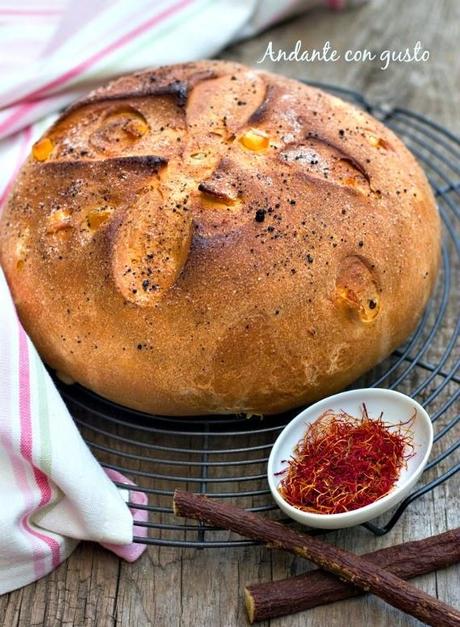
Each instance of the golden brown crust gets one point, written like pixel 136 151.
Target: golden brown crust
pixel 209 238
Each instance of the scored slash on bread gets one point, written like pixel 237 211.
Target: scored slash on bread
pixel 208 238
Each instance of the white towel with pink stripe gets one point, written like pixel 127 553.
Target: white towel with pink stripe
pixel 53 492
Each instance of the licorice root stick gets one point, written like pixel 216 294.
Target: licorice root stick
pixel 295 594
pixel 354 569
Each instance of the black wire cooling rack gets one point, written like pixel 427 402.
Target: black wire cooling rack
pixel 226 456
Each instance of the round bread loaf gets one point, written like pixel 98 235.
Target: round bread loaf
pixel 207 238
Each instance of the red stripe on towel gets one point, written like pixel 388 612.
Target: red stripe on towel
pixel 26 448
pixel 21 109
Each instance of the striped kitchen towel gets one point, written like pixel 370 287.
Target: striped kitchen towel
pixel 52 490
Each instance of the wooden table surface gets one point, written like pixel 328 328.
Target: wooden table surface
pixel 168 586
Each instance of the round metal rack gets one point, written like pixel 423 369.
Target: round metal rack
pixel 226 456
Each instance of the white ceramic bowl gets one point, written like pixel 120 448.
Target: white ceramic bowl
pixel 395 407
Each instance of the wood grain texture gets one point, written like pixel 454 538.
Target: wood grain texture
pixel 352 568
pixel 269 599
pixel 173 587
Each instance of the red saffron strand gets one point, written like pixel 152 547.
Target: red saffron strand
pixel 343 463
